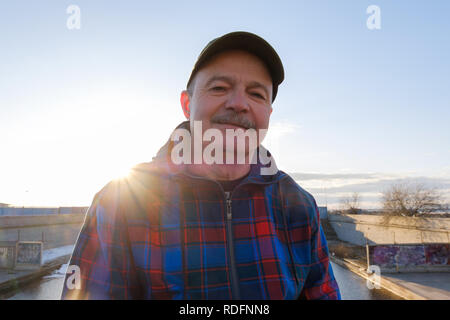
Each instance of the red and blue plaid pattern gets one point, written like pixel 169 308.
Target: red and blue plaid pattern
pixel 161 234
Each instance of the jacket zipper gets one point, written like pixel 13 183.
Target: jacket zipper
pixel 235 292
pixel 234 280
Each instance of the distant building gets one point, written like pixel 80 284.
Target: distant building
pixel 4 205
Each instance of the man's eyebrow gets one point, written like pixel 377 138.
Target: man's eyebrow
pixel 219 78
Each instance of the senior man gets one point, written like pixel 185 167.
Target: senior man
pixel 197 222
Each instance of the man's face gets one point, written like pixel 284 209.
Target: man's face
pixel 232 91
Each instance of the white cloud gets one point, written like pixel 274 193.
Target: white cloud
pixel 330 188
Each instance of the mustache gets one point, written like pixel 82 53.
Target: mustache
pixel 234 119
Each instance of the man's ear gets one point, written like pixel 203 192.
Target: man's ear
pixel 185 103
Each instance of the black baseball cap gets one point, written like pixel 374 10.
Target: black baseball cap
pixel 249 42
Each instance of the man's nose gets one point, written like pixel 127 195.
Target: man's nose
pixel 238 101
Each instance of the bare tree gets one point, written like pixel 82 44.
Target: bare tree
pixel 411 200
pixel 351 205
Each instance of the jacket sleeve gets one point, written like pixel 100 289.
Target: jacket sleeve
pixel 320 282
pixel 101 266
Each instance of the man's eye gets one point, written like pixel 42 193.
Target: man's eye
pixel 258 95
pixel 218 88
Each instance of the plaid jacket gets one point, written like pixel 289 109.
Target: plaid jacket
pixel 164 234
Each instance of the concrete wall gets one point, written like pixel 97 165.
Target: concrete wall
pixel 34 211
pixel 398 230
pixel 57 230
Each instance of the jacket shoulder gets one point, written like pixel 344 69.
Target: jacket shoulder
pixel 143 189
pixel 292 188
pixel 299 202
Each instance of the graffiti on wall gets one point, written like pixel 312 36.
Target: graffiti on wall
pixel 437 254
pixel 29 254
pixel 391 256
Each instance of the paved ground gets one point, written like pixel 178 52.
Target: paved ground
pixel 433 285
pixel 7 275
pixel 411 286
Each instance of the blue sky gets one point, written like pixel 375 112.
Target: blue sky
pixel 358 107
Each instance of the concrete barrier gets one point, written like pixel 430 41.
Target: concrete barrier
pixel 357 229
pixel 53 230
pixel 39 211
